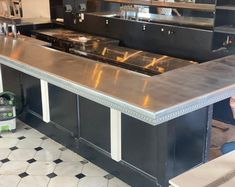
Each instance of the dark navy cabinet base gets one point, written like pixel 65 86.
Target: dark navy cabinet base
pixel 168 149
pixel 63 109
pixel 32 94
pixel 151 155
pixel 94 123
pixel 12 82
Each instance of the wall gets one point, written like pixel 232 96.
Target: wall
pixel 4 8
pixel 36 8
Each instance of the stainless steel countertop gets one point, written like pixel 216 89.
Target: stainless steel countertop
pixel 151 99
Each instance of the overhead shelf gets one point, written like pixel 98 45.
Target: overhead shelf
pixel 192 6
pixel 226 7
pixel 226 29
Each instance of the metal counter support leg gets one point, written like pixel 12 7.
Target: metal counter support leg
pixel 45 101
pixel 115 134
pixel 1 83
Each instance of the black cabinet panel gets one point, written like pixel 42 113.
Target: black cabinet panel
pixel 63 109
pixel 141 145
pixel 12 82
pixel 32 93
pixel 95 123
pixel 11 79
pixel 190 140
pixel 168 149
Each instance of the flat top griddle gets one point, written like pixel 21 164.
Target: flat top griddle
pixel 108 50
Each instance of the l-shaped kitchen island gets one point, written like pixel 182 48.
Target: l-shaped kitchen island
pixel 143 129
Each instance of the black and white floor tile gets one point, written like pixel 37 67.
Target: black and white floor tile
pixel 29 158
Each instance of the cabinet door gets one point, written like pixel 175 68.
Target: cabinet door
pixel 12 82
pixel 95 123
pixel 32 94
pixel 169 149
pixel 63 109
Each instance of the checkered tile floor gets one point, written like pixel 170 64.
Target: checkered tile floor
pixel 28 158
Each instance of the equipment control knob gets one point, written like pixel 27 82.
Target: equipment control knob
pixel 82 7
pixel 144 27
pixel 68 8
pixel 170 32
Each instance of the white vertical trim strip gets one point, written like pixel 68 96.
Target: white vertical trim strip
pixel 45 101
pixel 116 136
pixel 1 82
